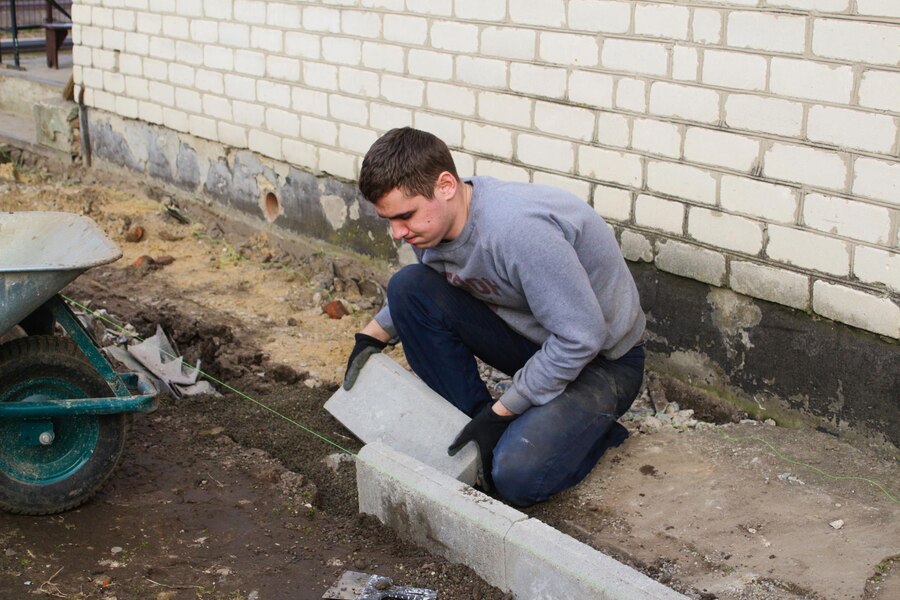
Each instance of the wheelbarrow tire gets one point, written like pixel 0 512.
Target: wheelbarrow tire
pixel 87 449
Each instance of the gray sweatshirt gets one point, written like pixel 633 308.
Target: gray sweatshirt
pixel 552 270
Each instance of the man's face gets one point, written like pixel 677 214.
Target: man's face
pixel 423 222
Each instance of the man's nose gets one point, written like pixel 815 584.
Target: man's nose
pixel 398 230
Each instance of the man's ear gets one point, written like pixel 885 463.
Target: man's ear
pixel 445 185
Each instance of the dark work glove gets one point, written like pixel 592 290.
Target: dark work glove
pixel 485 430
pixel 365 347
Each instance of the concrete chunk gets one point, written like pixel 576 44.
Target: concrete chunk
pixel 391 405
pixel 545 564
pixel 435 511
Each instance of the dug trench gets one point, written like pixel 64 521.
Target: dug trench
pixel 219 497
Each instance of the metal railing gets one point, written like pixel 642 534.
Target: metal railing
pixel 24 15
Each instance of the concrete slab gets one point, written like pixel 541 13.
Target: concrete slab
pixel 389 404
pixel 544 564
pixel 435 511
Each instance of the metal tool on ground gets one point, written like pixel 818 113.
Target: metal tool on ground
pixel 353 585
pixel 64 411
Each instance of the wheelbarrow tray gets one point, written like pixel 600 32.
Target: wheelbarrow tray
pixel 40 254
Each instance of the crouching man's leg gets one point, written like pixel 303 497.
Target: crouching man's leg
pixel 550 448
pixel 443 328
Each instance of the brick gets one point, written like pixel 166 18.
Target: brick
pixel 593 89
pixel 711 147
pixel 81 14
pixel 706 26
pixel 761 31
pixel 856 41
pixel 457 37
pixel 189 53
pixel 104 59
pixel 631 94
pixel 488 139
pixel 613 129
pixel 123 20
pixel 881 90
pixel 767 115
pixel 127 107
pixel 394 5
pixel 250 11
pixel 691 261
pixel 649 58
pixel 693 104
pixel 505 108
pixel 271 92
pixel 383 57
pixel 318 130
pixel 302 45
pixel 266 144
pixel 808 250
pixel 320 18
pixel 234 34
pixel 113 40
pixel 636 247
pixel 769 283
pixel 250 63
pixel 577 187
pixel 356 139
pixel 128 64
pixel 240 88
pixel 385 117
pixel 204 31
pixel 847 218
pixel 857 308
pixel 725 231
pixel 537 80
pixel 102 17
pixel 683 181
pixel 150 23
pixel 351 110
pixel 501 170
pixel 286 16
pixel 877 179
pixel 362 83
pixel 162 48
pixel 441 8
pixel 734 70
pixel 878 8
pixel 162 93
pixel 188 100
pixel 150 112
pixel 252 115
pixel 113 83
pixel 851 129
pixel 203 127
pixel 92 78
pixel 656 213
pixel 612 203
pixel 450 98
pixel 216 106
pixel 465 163
pixel 774 203
pixel 446 128
pixel 342 51
pixel 656 137
pixel 435 511
pixel 566 121
pixel 661 20
pixel 135 87
pixel 287 124
pixel 545 152
pixel 176 27
pixel 817 5
pixel 218 9
pixel 877 266
pixel 92 36
pixel 685 63
pixel 309 101
pixel 610 166
pixel 805 165
pixel 402 90
pixel 508 42
pixel 175 119
pixel 215 57
pixel 107 102
pixel 434 65
pixel 180 75
pixel 361 24
pixel 482 10
pixel 300 153
pixel 811 80
pixel 405 29
pixel 137 43
pixel 270 40
pixel 599 16
pixel 484 72
pixel 549 13
pixel 320 75
pixel 568 49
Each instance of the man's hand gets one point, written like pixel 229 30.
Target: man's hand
pixel 485 430
pixel 366 346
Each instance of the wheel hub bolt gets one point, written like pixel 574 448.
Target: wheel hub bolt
pixel 46 438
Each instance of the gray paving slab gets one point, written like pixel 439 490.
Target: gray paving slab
pixel 435 511
pixel 389 404
pixel 544 564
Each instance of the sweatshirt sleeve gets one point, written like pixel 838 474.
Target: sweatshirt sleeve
pixel 545 266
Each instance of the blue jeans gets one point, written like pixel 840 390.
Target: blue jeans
pixel 548 448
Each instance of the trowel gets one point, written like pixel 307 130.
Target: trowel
pixel 353 585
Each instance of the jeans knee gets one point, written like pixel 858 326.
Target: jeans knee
pixel 406 283
pixel 514 479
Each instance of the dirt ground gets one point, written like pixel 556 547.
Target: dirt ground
pixel 222 498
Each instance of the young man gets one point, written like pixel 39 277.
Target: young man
pixel 529 279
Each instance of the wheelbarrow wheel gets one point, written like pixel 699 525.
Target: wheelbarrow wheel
pixel 41 480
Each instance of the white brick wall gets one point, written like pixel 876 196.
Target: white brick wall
pixel 747 143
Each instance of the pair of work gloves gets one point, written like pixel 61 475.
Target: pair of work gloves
pixel 485 429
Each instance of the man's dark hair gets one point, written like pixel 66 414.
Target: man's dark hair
pixel 404 158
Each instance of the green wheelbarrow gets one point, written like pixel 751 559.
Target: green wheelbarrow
pixel 64 411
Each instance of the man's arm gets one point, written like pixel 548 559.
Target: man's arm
pixel 375 330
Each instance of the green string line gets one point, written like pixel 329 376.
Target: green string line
pixel 811 467
pixel 211 378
